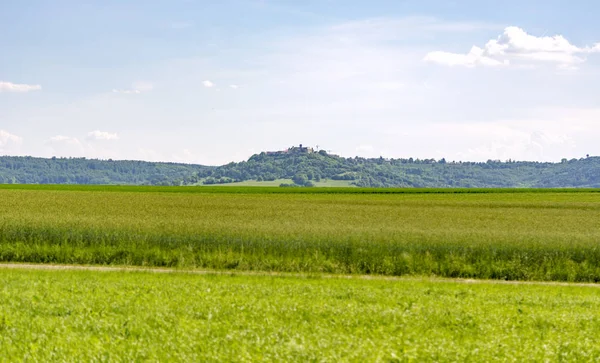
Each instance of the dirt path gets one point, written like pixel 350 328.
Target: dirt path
pixel 28 266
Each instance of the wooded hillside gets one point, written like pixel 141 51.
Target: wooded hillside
pixel 306 168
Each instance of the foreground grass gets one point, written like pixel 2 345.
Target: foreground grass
pixel 550 235
pixel 119 316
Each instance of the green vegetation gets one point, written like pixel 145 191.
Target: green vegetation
pixel 228 189
pixel 30 170
pixel 324 183
pixel 307 169
pixel 525 235
pixel 117 316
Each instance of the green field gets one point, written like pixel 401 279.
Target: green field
pixel 116 316
pixel 522 234
pixel 548 235
pixel 275 183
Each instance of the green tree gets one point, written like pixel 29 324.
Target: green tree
pixel 300 179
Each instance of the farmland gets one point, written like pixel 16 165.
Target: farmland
pixel 139 316
pixel 277 182
pixel 548 235
pixel 298 274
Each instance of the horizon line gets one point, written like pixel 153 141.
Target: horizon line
pixel 429 160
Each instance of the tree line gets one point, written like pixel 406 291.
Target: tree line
pixel 306 169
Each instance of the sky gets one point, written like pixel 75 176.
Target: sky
pixel 210 82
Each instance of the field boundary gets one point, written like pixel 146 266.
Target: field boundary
pixel 278 190
pixel 51 267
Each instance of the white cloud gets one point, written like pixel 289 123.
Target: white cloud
pixel 541 136
pixel 9 143
pixel 505 140
pixel 143 86
pixel 66 146
pixel 20 88
pixel 136 88
pixel 514 44
pixel 102 135
pixel 8 138
pixel 92 146
pixel 207 84
pixel 126 91
pixel 474 58
pixel 234 86
pixel 64 139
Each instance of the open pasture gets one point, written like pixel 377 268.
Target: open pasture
pixel 497 234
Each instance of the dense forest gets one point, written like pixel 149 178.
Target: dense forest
pixel 304 168
pixel 30 170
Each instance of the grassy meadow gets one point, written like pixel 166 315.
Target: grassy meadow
pixel 550 235
pixel 139 316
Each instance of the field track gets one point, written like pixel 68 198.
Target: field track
pixel 46 267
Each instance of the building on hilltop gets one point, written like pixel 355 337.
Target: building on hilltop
pixel 293 150
pixel 301 150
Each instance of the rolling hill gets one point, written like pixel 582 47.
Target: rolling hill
pixel 304 167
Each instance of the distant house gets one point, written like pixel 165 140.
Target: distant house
pixel 293 150
pixel 301 150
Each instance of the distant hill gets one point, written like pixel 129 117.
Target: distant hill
pixel 304 167
pixel 30 170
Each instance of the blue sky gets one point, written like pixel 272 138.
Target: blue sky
pixel 215 81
